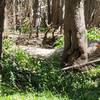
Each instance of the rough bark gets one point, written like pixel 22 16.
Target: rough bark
pixel 2 6
pixel 92 13
pixel 75 43
pixel 90 10
pixel 62 11
pixel 96 21
pixel 9 13
pixel 35 11
pixel 55 12
pixel 49 11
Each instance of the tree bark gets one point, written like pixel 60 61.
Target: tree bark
pixel 35 11
pixel 9 13
pixel 75 42
pixel 55 12
pixel 49 12
pixel 90 11
pixel 62 11
pixel 2 6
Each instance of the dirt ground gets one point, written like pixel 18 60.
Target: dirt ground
pixel 34 45
pixel 34 41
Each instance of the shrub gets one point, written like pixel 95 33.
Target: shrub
pixel 25 25
pixel 94 34
pixel 24 72
pixel 59 43
pixel 42 29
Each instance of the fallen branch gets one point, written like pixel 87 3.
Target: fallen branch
pixel 81 65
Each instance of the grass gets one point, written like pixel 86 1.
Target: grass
pixel 30 96
pixel 22 95
pixel 47 95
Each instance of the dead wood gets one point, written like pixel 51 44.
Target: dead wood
pixel 80 65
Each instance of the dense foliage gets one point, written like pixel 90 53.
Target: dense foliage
pixel 24 72
pixel 94 34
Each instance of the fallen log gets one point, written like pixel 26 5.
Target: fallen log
pixel 80 65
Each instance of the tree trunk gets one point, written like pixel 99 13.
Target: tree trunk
pixel 2 6
pixel 14 14
pixel 31 18
pixel 55 12
pixel 9 13
pixel 90 10
pixel 62 11
pixel 49 12
pixel 35 11
pixel 75 42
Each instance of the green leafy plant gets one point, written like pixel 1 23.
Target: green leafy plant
pixel 94 34
pixel 59 43
pixel 42 29
pixel 25 25
pixel 24 72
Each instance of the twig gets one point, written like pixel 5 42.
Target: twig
pixel 81 65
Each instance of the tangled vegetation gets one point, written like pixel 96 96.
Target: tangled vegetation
pixel 25 73
pixel 94 34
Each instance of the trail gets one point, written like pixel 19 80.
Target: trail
pixel 37 51
pixel 93 52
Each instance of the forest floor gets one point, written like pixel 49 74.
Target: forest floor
pixel 23 39
pixel 34 46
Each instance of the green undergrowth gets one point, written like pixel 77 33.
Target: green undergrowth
pixel 22 72
pixel 16 94
pixel 25 27
pixel 93 35
pixel 31 97
pixel 59 42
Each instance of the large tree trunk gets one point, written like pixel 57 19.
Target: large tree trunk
pixel 75 42
pixel 2 6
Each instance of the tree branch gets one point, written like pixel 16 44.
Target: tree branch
pixel 81 65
